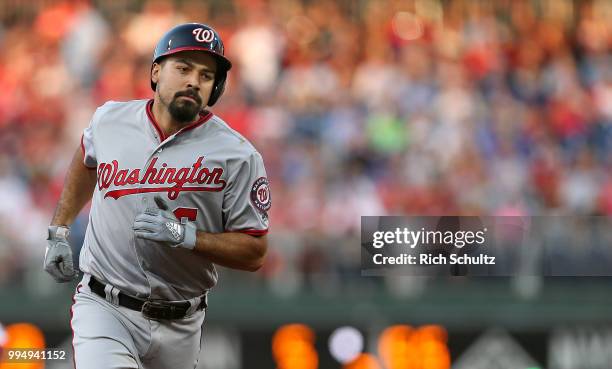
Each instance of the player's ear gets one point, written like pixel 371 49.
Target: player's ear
pixel 155 70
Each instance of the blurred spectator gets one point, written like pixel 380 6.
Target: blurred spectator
pixel 374 107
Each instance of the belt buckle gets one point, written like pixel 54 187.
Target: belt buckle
pixel 157 310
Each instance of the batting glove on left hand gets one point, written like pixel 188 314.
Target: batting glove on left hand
pixel 161 225
pixel 58 255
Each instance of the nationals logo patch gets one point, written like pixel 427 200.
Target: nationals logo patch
pixel 260 194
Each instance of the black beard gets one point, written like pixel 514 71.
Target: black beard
pixel 183 110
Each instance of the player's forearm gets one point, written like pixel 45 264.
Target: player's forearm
pixel 233 249
pixel 78 188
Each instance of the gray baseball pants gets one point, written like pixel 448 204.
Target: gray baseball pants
pixel 108 336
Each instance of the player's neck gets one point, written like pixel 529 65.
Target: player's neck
pixel 164 119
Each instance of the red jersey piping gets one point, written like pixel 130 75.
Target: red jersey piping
pixel 71 327
pixel 253 232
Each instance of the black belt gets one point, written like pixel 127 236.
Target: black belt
pixel 152 309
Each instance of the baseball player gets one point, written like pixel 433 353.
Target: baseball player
pixel 175 191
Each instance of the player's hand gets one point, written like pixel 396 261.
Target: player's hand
pixel 161 225
pixel 58 255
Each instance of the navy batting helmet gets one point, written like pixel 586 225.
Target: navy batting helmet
pixel 195 36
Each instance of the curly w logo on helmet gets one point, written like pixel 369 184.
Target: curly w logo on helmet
pixel 203 35
pixel 109 174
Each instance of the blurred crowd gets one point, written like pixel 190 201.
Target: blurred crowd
pixel 376 107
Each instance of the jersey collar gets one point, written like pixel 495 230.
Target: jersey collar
pixel 204 117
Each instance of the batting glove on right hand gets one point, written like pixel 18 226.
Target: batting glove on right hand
pixel 58 255
pixel 161 225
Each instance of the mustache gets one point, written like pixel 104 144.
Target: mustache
pixel 189 93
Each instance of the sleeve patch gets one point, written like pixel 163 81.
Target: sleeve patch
pixel 260 194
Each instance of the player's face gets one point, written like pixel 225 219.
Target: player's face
pixel 184 83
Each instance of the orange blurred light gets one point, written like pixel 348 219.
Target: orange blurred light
pixel 293 347
pixel 433 332
pixel 402 347
pixel 23 335
pixel 363 361
pixel 393 346
pixel 434 355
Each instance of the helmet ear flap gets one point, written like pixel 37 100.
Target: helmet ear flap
pixel 218 88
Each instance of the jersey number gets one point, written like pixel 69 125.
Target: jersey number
pixel 189 213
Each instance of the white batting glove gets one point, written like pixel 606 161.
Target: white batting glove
pixel 58 255
pixel 161 225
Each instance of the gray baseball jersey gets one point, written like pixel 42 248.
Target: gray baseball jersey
pixel 206 172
